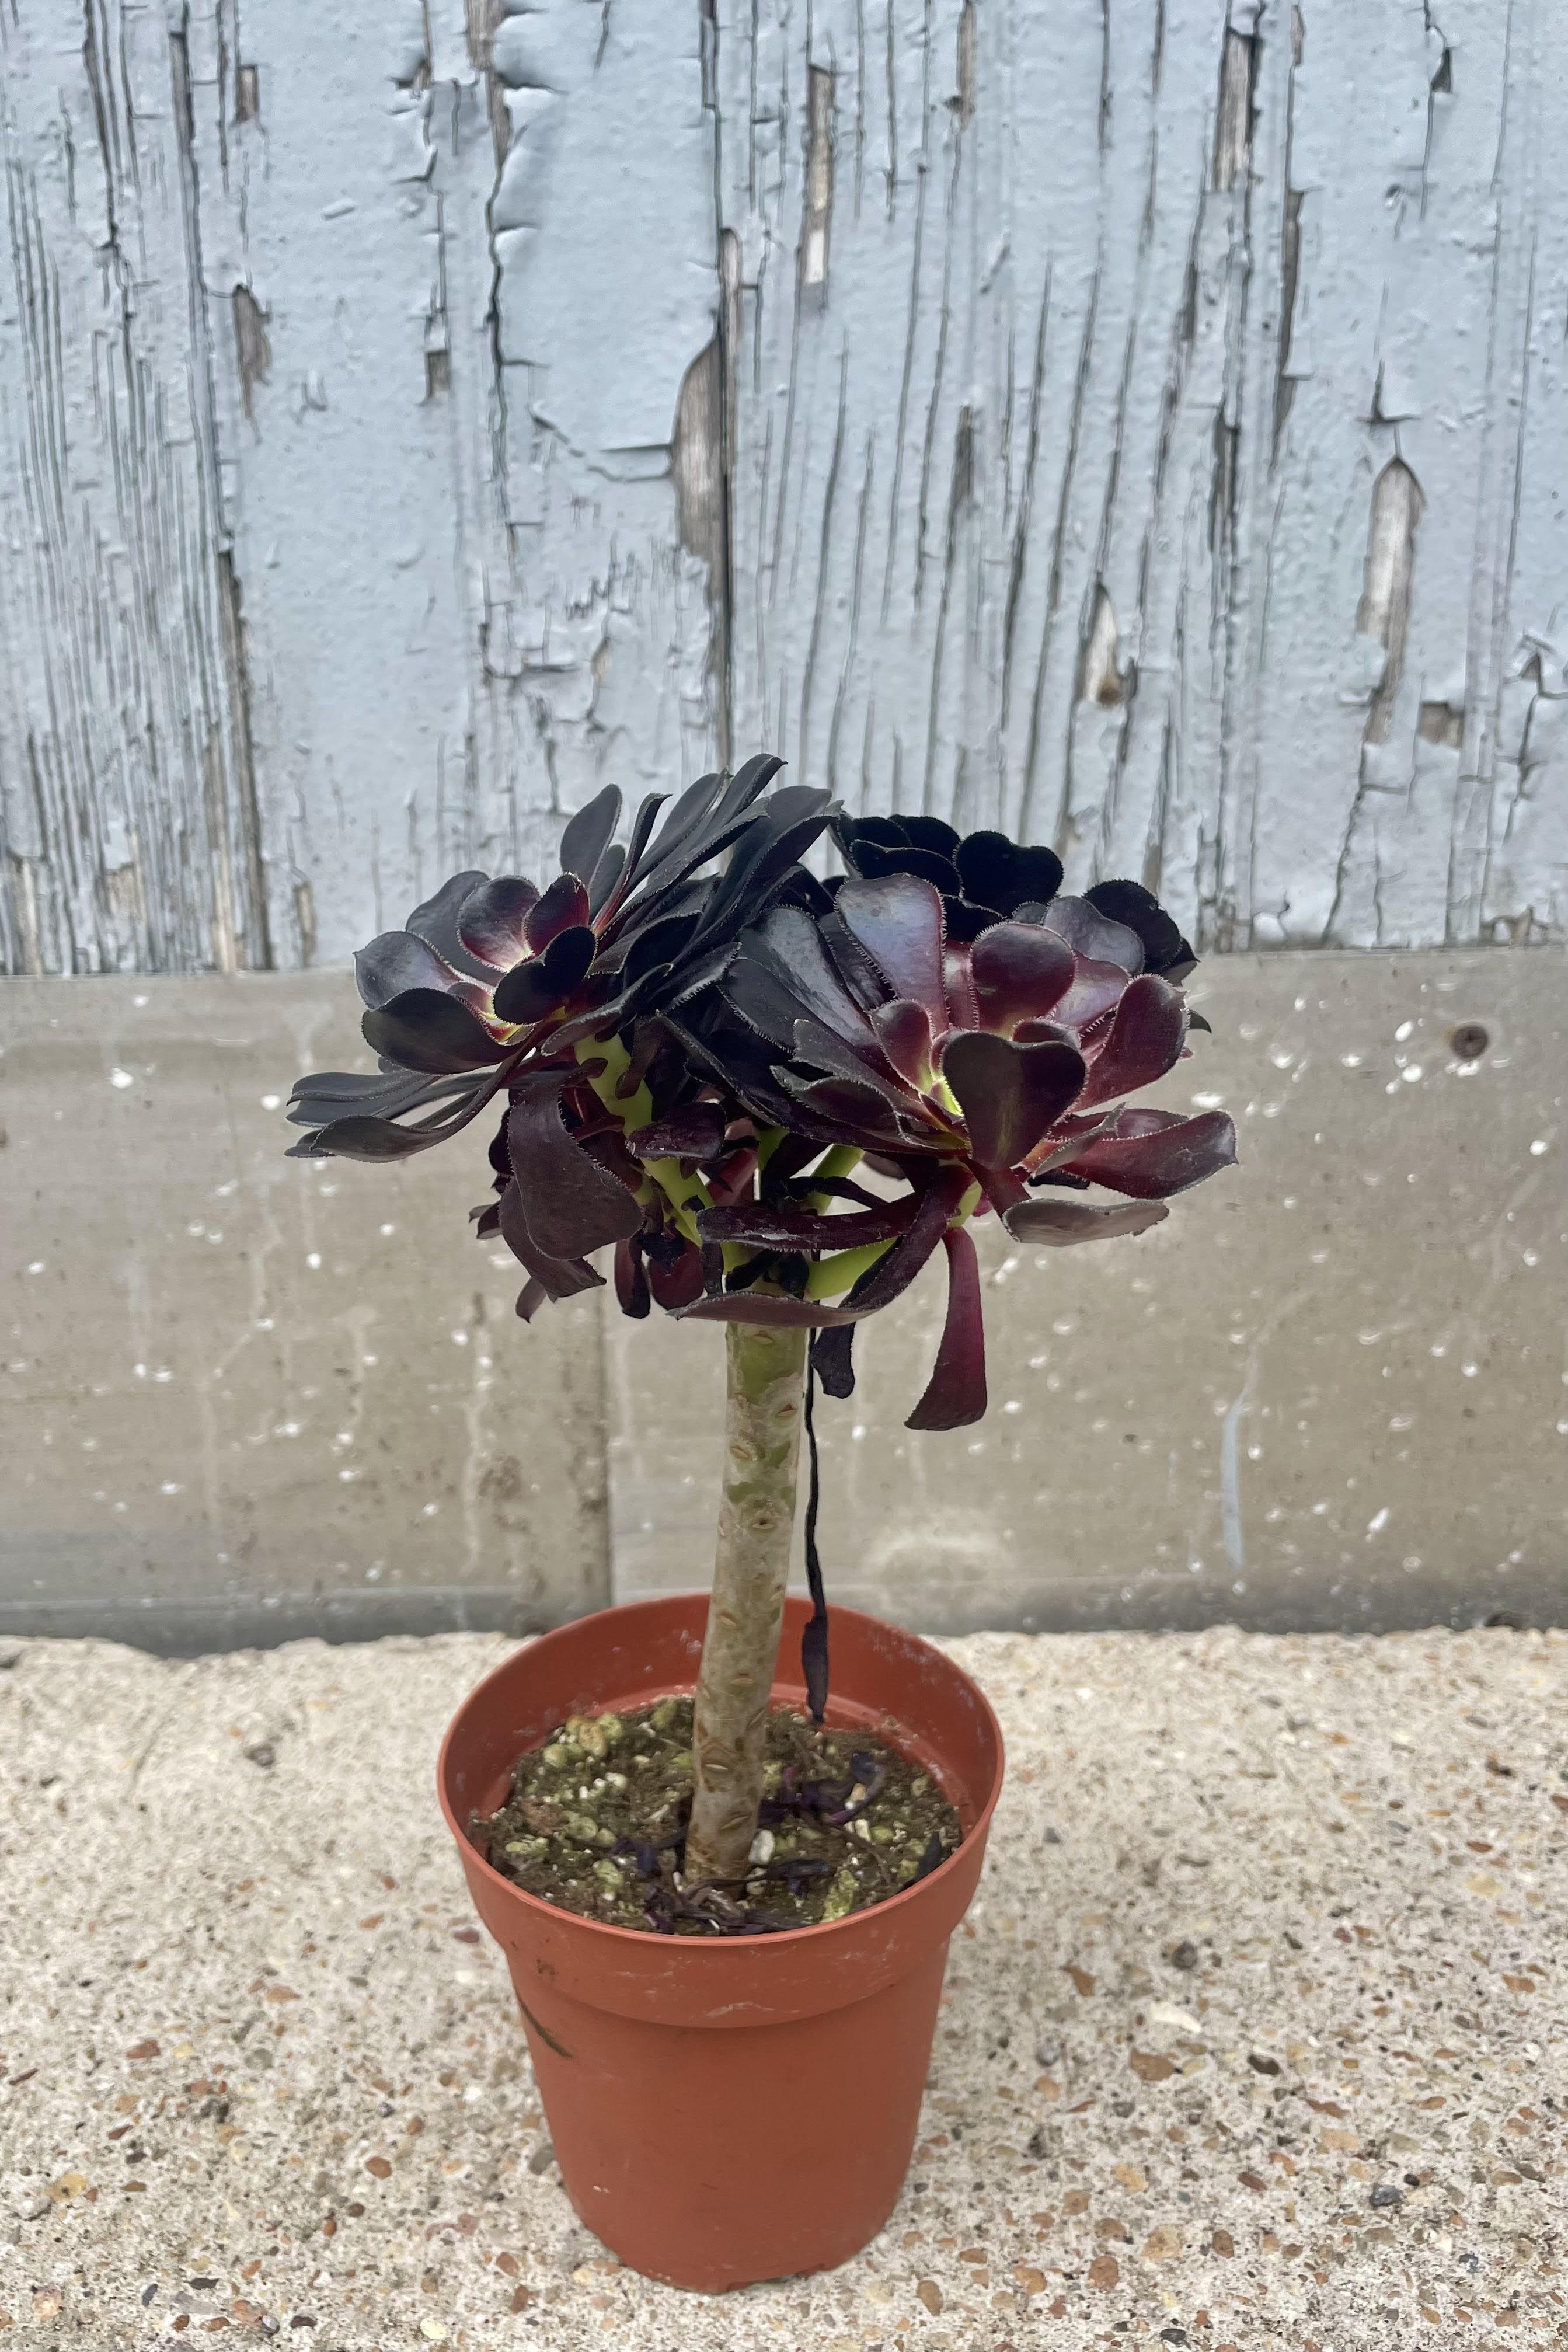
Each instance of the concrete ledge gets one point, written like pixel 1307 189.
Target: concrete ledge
pixel 1328 1392
pixel 244 1397
pixel 1254 2030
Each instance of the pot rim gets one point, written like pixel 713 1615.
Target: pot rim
pixel 641 1938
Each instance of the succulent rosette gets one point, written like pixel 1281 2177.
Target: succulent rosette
pixel 988 1072
pixel 702 1071
pixel 497 988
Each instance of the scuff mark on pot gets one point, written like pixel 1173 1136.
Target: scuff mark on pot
pixel 544 2033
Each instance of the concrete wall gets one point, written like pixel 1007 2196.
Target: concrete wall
pixel 243 1398
pixel 1330 1391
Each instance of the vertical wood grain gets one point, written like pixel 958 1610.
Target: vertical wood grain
pixel 1054 491
pixel 1141 426
pixel 128 838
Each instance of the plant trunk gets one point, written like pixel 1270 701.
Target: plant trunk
pixel 766 1376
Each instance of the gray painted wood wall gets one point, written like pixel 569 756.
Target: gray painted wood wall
pixel 1136 423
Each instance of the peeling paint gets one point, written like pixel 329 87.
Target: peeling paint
pixel 1008 414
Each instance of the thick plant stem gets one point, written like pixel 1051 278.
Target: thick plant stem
pixel 756 1518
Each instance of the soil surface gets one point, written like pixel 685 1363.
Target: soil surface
pixel 596 1822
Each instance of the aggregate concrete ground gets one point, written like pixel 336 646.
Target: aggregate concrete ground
pixel 1257 2035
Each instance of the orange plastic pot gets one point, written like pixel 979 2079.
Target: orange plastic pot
pixel 725 2110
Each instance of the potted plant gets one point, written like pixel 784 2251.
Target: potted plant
pixel 724 1887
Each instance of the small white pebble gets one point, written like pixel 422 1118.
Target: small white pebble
pixel 121 1078
pixel 762 1846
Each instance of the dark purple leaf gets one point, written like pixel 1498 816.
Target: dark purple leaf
pixel 827 1188
pixel 1066 1138
pixel 817 1047
pixel 893 1273
pixel 676 1281
pixel 886 832
pixel 766 1307
pixel 692 810
pixel 395 962
pixel 571 1205
pixel 1020 973
pixel 1096 990
pixel 832 1359
pixel 695 1133
pixel 777 839
pixel 1009 1094
pixel 765 1224
pixel 965 923
pixel 958 985
pixel 1044 1032
pixel 531 1298
pixel 955 1394
pixel 857 971
pixel 788 945
pixel 631 1281
pixel 931 832
pixel 564 908
pixel 560 1277
pixel 1151 1155
pixel 532 991
pixel 997 872
pixel 1058 1222
pixel 490 921
pixel 589 834
pixel 1165 949
pixel 343 1093
pixel 877 1287
pixel 872 861
pixel 657 948
pixel 605 876
pixel 857 1112
pixel 358 1137
pixel 1093 934
pixel 437 923
pixel 642 832
pixel 903 1032
pixel 898 922
pixel 764 1001
pixel 425 1030
pixel 1145 1040
pixel 750 778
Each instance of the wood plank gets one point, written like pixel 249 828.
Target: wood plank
pixel 1142 428
pixel 1137 417
pixel 453 502
pixel 127 805
pixel 247 1397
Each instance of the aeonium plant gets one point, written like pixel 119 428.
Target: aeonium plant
pixel 775 1099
